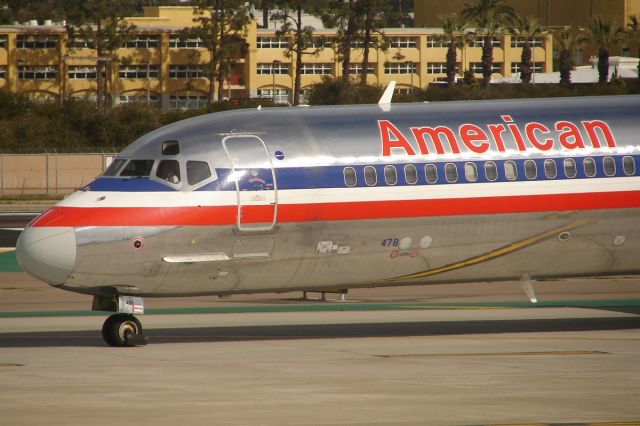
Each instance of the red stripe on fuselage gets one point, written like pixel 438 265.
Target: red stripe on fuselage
pixel 226 215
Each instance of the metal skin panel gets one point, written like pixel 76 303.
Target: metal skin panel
pixel 330 236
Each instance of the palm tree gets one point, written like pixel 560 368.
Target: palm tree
pixel 565 41
pixel 633 31
pixel 526 28
pixel 456 34
pixel 605 34
pixel 488 16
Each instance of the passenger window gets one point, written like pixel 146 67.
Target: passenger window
pixel 197 171
pixel 169 170
pixel 431 173
pixel 629 165
pixel 350 177
pixel 530 169
pixel 114 167
pixel 550 169
pixel 137 168
pixel 170 148
pixel 471 172
pixel 589 167
pixel 609 166
pixel 510 170
pixel 491 170
pixel 390 175
pixel 410 174
pixel 370 176
pixel 570 169
pixel 451 172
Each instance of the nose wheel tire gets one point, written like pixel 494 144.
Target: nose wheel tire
pixel 123 330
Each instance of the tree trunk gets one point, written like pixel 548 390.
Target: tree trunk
pixel 451 62
pixel 367 40
pixel 346 50
pixel 565 68
pixel 221 64
pixel 525 63
pixel 487 60
pixel 299 46
pixel 603 65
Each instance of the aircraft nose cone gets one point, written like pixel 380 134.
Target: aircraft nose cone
pixel 47 253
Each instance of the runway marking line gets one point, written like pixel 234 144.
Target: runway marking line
pixel 495 354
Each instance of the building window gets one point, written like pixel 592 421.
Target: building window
pixel 322 69
pixel 530 169
pixel 82 72
pixel 3 41
pixel 356 69
pixel 80 43
pixel 399 67
pixel 3 72
pixel 390 175
pixel 186 71
pixel 321 42
pixel 437 68
pixel 139 71
pixel 151 99
pixel 516 67
pixel 570 169
pixel 143 42
pixel 359 44
pixel 609 166
pixel 370 176
pixel 350 177
pixel 479 42
pixel 491 171
pixel 401 42
pixel 629 165
pixel 476 67
pixel 272 42
pixel 517 41
pixel 437 41
pixel 32 41
pixel 410 174
pixel 280 96
pixel 271 68
pixel 510 170
pixel 37 72
pixel 175 42
pixel 589 167
pixel 431 173
pixel 471 172
pixel 550 169
pixel 187 101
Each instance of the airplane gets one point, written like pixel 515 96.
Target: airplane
pixel 332 198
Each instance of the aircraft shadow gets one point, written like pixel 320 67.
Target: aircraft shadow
pixel 92 338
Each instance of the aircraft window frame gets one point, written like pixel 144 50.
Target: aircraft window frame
pixel 567 164
pixel 171 173
pixel 511 170
pixel 609 165
pixel 587 168
pixel 347 181
pixel 115 167
pixel 431 178
pixel 528 169
pixel 470 172
pixel 200 178
pixel 390 175
pixel 411 177
pixel 171 147
pixel 144 172
pixel 550 168
pixel 370 172
pixel 449 170
pixel 627 159
pixel 493 176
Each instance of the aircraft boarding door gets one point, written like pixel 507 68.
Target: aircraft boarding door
pixel 255 181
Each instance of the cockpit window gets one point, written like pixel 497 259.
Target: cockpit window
pixel 137 168
pixel 114 167
pixel 169 170
pixel 170 148
pixel 197 171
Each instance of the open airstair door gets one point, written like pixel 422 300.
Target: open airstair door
pixel 255 182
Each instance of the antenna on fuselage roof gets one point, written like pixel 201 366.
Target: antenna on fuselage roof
pixel 385 99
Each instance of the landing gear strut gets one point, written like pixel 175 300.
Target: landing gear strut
pixel 123 330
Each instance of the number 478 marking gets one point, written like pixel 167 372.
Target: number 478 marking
pixel 390 242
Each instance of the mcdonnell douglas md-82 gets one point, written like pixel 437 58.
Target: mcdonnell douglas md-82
pixel 339 197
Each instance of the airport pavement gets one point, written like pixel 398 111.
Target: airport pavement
pixel 448 355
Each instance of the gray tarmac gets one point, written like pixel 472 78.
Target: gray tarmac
pixel 445 355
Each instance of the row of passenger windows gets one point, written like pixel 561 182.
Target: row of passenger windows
pixel 471 171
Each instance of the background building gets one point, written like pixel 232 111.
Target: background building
pixel 162 68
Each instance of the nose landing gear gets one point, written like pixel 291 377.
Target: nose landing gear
pixel 123 330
